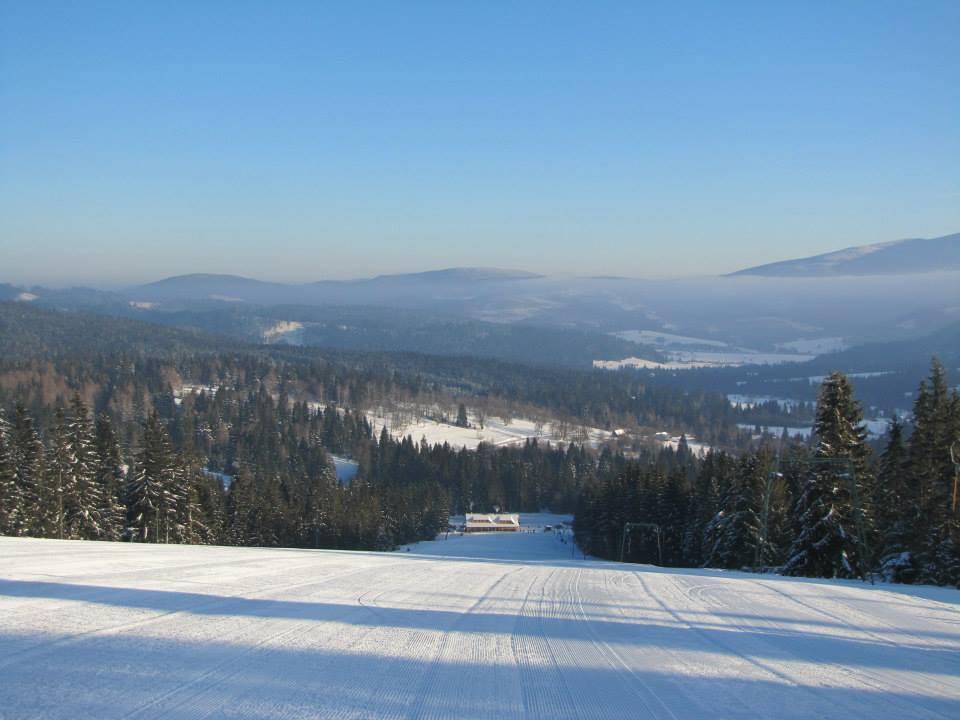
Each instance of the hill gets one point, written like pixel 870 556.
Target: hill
pixel 27 330
pixel 917 255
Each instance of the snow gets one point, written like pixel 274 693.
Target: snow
pixel 690 359
pixel 817 379
pixel 346 469
pixel 284 331
pixel 26 297
pixel 509 625
pixel 803 432
pixel 815 346
pixel 673 442
pixel 876 428
pixel 225 480
pixel 748 401
pixel 495 430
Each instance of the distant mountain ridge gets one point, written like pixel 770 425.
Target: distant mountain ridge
pixel 915 255
pixel 237 288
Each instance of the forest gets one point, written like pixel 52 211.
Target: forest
pixel 123 447
pixel 830 508
pixel 174 436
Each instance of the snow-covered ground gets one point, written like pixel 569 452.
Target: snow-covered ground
pixel 748 401
pixel 504 626
pixel 284 331
pixel 346 468
pixel 803 432
pixel 495 430
pixel 690 359
pixel 815 346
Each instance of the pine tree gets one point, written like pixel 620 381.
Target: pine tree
pixel 832 521
pixel 110 479
pixel 29 456
pixel 85 515
pixel 936 430
pixel 191 526
pixel 59 496
pixel 897 509
pixel 737 530
pixel 11 500
pixel 150 494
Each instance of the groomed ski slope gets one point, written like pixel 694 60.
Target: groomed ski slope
pixel 503 626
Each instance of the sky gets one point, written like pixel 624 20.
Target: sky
pixel 299 141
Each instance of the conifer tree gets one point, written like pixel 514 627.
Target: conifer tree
pixel 11 501
pixel 936 430
pixel 738 540
pixel 85 519
pixel 28 461
pixel 896 509
pixel 60 494
pixel 150 493
pixel 110 480
pixel 831 514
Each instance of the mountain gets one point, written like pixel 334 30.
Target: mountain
pixel 233 288
pixel 209 286
pixel 916 255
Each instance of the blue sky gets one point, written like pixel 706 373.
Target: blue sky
pixel 300 141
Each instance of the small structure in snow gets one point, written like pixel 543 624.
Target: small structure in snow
pixel 501 522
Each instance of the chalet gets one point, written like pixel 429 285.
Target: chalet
pixel 502 522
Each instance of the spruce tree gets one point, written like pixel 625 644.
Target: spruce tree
pixel 896 509
pixel 110 480
pixel 85 518
pixel 832 517
pixel 11 501
pixel 149 492
pixel 60 492
pixel 29 457
pixel 936 431
pixel 737 530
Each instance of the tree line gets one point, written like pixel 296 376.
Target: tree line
pixel 243 463
pixel 833 508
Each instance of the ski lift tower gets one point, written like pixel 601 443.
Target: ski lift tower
pixel 627 527
pixel 955 457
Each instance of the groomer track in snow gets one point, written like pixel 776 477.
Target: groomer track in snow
pixel 504 626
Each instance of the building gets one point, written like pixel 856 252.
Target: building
pixel 502 522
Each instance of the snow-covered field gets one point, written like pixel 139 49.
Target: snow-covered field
pixel 503 626
pixel 690 359
pixel 494 431
pixel 815 346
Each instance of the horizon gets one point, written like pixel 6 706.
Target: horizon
pixel 308 143
pixel 519 272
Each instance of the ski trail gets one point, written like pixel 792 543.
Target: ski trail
pixel 470 627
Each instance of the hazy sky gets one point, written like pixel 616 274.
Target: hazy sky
pixel 299 141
